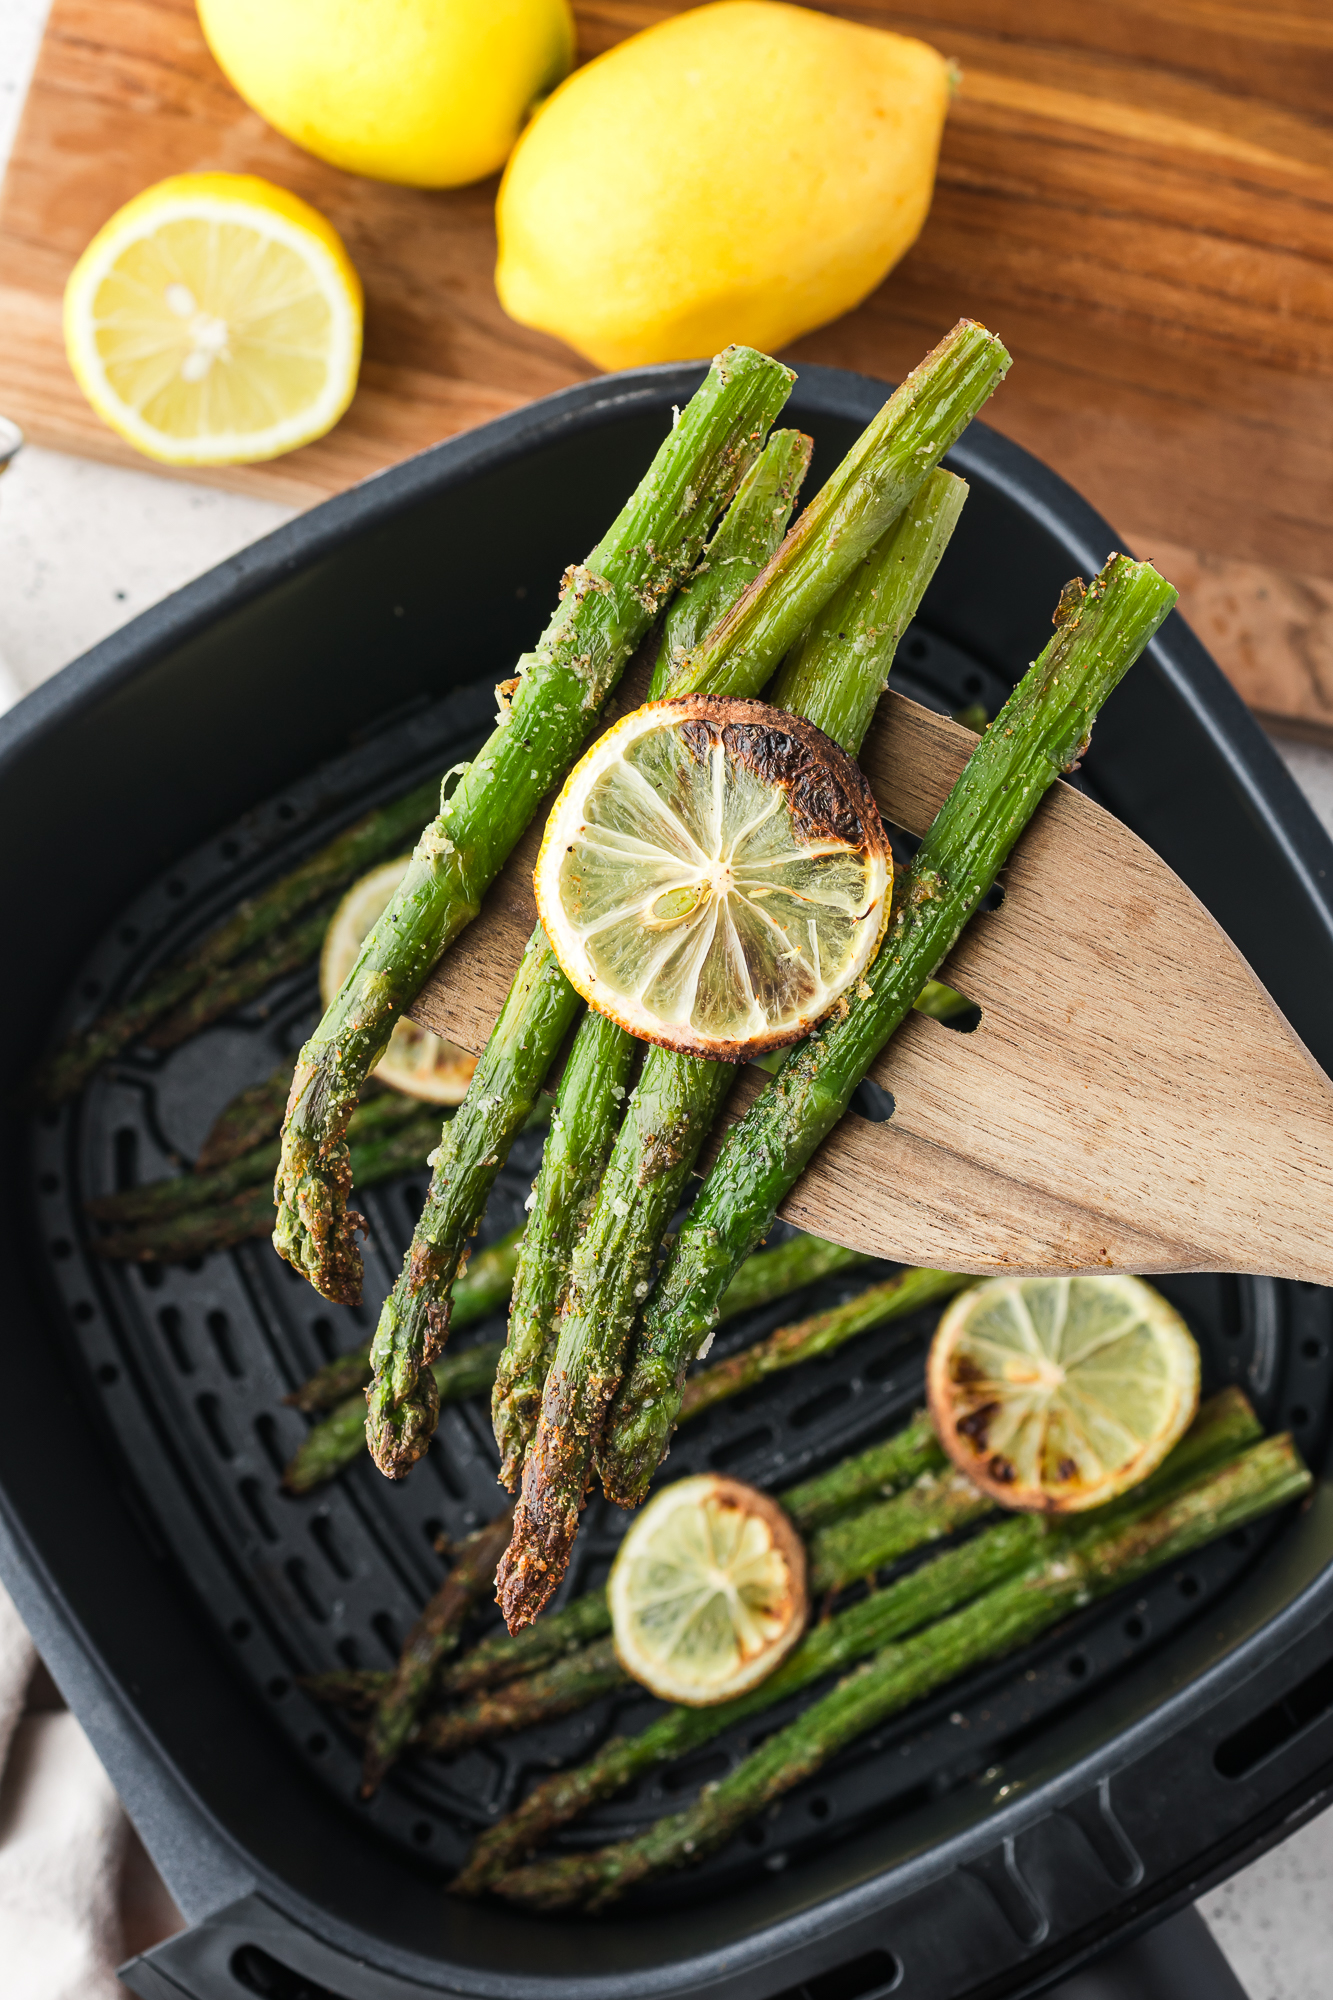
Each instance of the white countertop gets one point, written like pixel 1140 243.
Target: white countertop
pixel 83 547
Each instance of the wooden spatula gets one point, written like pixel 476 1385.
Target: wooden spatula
pixel 1132 1100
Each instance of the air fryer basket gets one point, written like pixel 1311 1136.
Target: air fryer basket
pixel 972 1847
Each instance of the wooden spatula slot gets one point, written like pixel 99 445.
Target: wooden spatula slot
pixel 1131 1099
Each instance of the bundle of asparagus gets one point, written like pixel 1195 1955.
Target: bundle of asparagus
pixel 867 1512
pixel 607 606
pixel 845 521
pixel 1040 732
pixel 567 1661
pixel 769 1274
pixel 971 1606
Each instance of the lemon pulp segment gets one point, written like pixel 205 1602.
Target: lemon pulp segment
pixel 215 319
pixel 1061 1392
pixel 714 875
pixel 416 1062
pixel 707 1592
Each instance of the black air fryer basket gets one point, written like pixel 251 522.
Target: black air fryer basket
pixel 976 1846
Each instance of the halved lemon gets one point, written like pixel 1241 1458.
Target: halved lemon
pixel 1059 1393
pixel 215 320
pixel 707 1592
pixel 416 1062
pixel 714 875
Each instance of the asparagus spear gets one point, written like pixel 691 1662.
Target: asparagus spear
pixel 155 1201
pixel 1074 1570
pixel 380 1156
pixel 250 1118
pixel 679 1097
pixel 750 531
pixel 588 1106
pixel 434 1635
pixel 885 1468
pixel 823 1334
pixel 374 836
pixel 1042 729
pixel 483 1289
pixel 341 1438
pixel 569 1684
pixel 533 1022
pixel 286 951
pixel 1224 1426
pixel 936 1504
pixel 607 606
pixel 402 1405
pixel 592 1090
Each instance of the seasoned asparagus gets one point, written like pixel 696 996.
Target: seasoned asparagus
pixel 250 1118
pixel 1098 1558
pixel 806 1339
pixel 535 1017
pixel 374 836
pixel 482 1289
pixel 568 1684
pixel 592 1090
pixel 434 1635
pixel 875 482
pixel 341 1438
pixel 679 1097
pixel 402 1404
pixel 587 1111
pixel 1225 1425
pixel 750 531
pixel 1042 729
pixel 607 606
pixel 285 951
pixel 380 1156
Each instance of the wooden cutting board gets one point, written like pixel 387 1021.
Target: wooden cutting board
pixel 1138 197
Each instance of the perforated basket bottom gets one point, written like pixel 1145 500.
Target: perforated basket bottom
pixel 190 1364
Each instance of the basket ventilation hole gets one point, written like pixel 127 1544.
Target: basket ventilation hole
pixel 1262 1737
pixel 862 1978
pixel 173 1332
pixel 219 1329
pixel 256 1972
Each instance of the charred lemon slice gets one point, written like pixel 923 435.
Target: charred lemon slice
pixel 707 1593
pixel 713 875
pixel 1059 1393
pixel 416 1062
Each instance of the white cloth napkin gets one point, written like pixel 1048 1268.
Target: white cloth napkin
pixel 62 1839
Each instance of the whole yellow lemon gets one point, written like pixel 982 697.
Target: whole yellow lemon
pixel 745 171
pixel 431 93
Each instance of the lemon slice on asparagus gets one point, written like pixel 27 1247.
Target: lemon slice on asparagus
pixel 714 875
pixel 215 320
pixel 1059 1393
pixel 416 1062
pixel 707 1592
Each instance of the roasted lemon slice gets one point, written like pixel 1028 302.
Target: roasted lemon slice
pixel 713 875
pixel 416 1062
pixel 1059 1393
pixel 707 1592
pixel 215 320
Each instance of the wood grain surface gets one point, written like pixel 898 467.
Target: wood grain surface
pixel 1131 1100
pixel 1138 196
